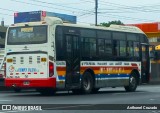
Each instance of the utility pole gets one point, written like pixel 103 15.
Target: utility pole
pixel 96 8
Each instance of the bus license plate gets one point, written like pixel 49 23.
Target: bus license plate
pixel 26 83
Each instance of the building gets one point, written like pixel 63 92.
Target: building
pixel 152 30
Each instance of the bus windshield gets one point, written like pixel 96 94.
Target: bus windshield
pixel 27 35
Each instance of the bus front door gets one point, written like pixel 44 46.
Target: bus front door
pixel 72 61
pixel 145 63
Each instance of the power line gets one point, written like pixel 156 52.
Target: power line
pixel 89 12
pixel 84 14
pixel 6 14
pixel 41 5
pixel 49 3
pixel 8 10
pixel 129 9
pixel 127 18
pixel 126 7
pixel 73 9
pixel 137 8
pixel 141 8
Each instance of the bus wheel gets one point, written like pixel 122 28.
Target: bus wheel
pixel 133 82
pixel 87 83
pixel 17 90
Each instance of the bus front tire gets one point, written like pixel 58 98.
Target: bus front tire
pixel 133 82
pixel 87 83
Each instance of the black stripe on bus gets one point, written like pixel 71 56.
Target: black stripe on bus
pixel 28 52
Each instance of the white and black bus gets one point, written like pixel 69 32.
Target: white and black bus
pixel 51 55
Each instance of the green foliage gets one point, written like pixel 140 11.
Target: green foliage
pixel 111 22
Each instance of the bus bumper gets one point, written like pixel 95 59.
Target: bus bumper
pixel 30 82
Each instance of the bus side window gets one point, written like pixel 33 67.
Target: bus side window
pixel 136 49
pixel 108 47
pixel 92 47
pixel 59 43
pixel 130 48
pixel 101 47
pixel 104 44
pixel 88 43
pixel 115 48
pixel 118 39
pixel 122 48
pixel 86 47
pixel 132 44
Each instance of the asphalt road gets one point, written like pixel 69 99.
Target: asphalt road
pixel 65 102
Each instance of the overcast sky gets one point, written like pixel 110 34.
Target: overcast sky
pixel 127 11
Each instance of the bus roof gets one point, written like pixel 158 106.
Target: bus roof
pixel 121 28
pixel 58 21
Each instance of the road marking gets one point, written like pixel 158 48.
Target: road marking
pixel 124 93
pixel 5 100
pixel 155 111
pixel 15 111
pixel 69 107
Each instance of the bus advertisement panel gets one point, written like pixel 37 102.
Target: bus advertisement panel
pixel 35 16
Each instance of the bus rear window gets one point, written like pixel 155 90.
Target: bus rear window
pixel 27 35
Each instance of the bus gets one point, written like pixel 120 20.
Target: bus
pixel 51 55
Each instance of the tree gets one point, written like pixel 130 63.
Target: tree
pixel 111 22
